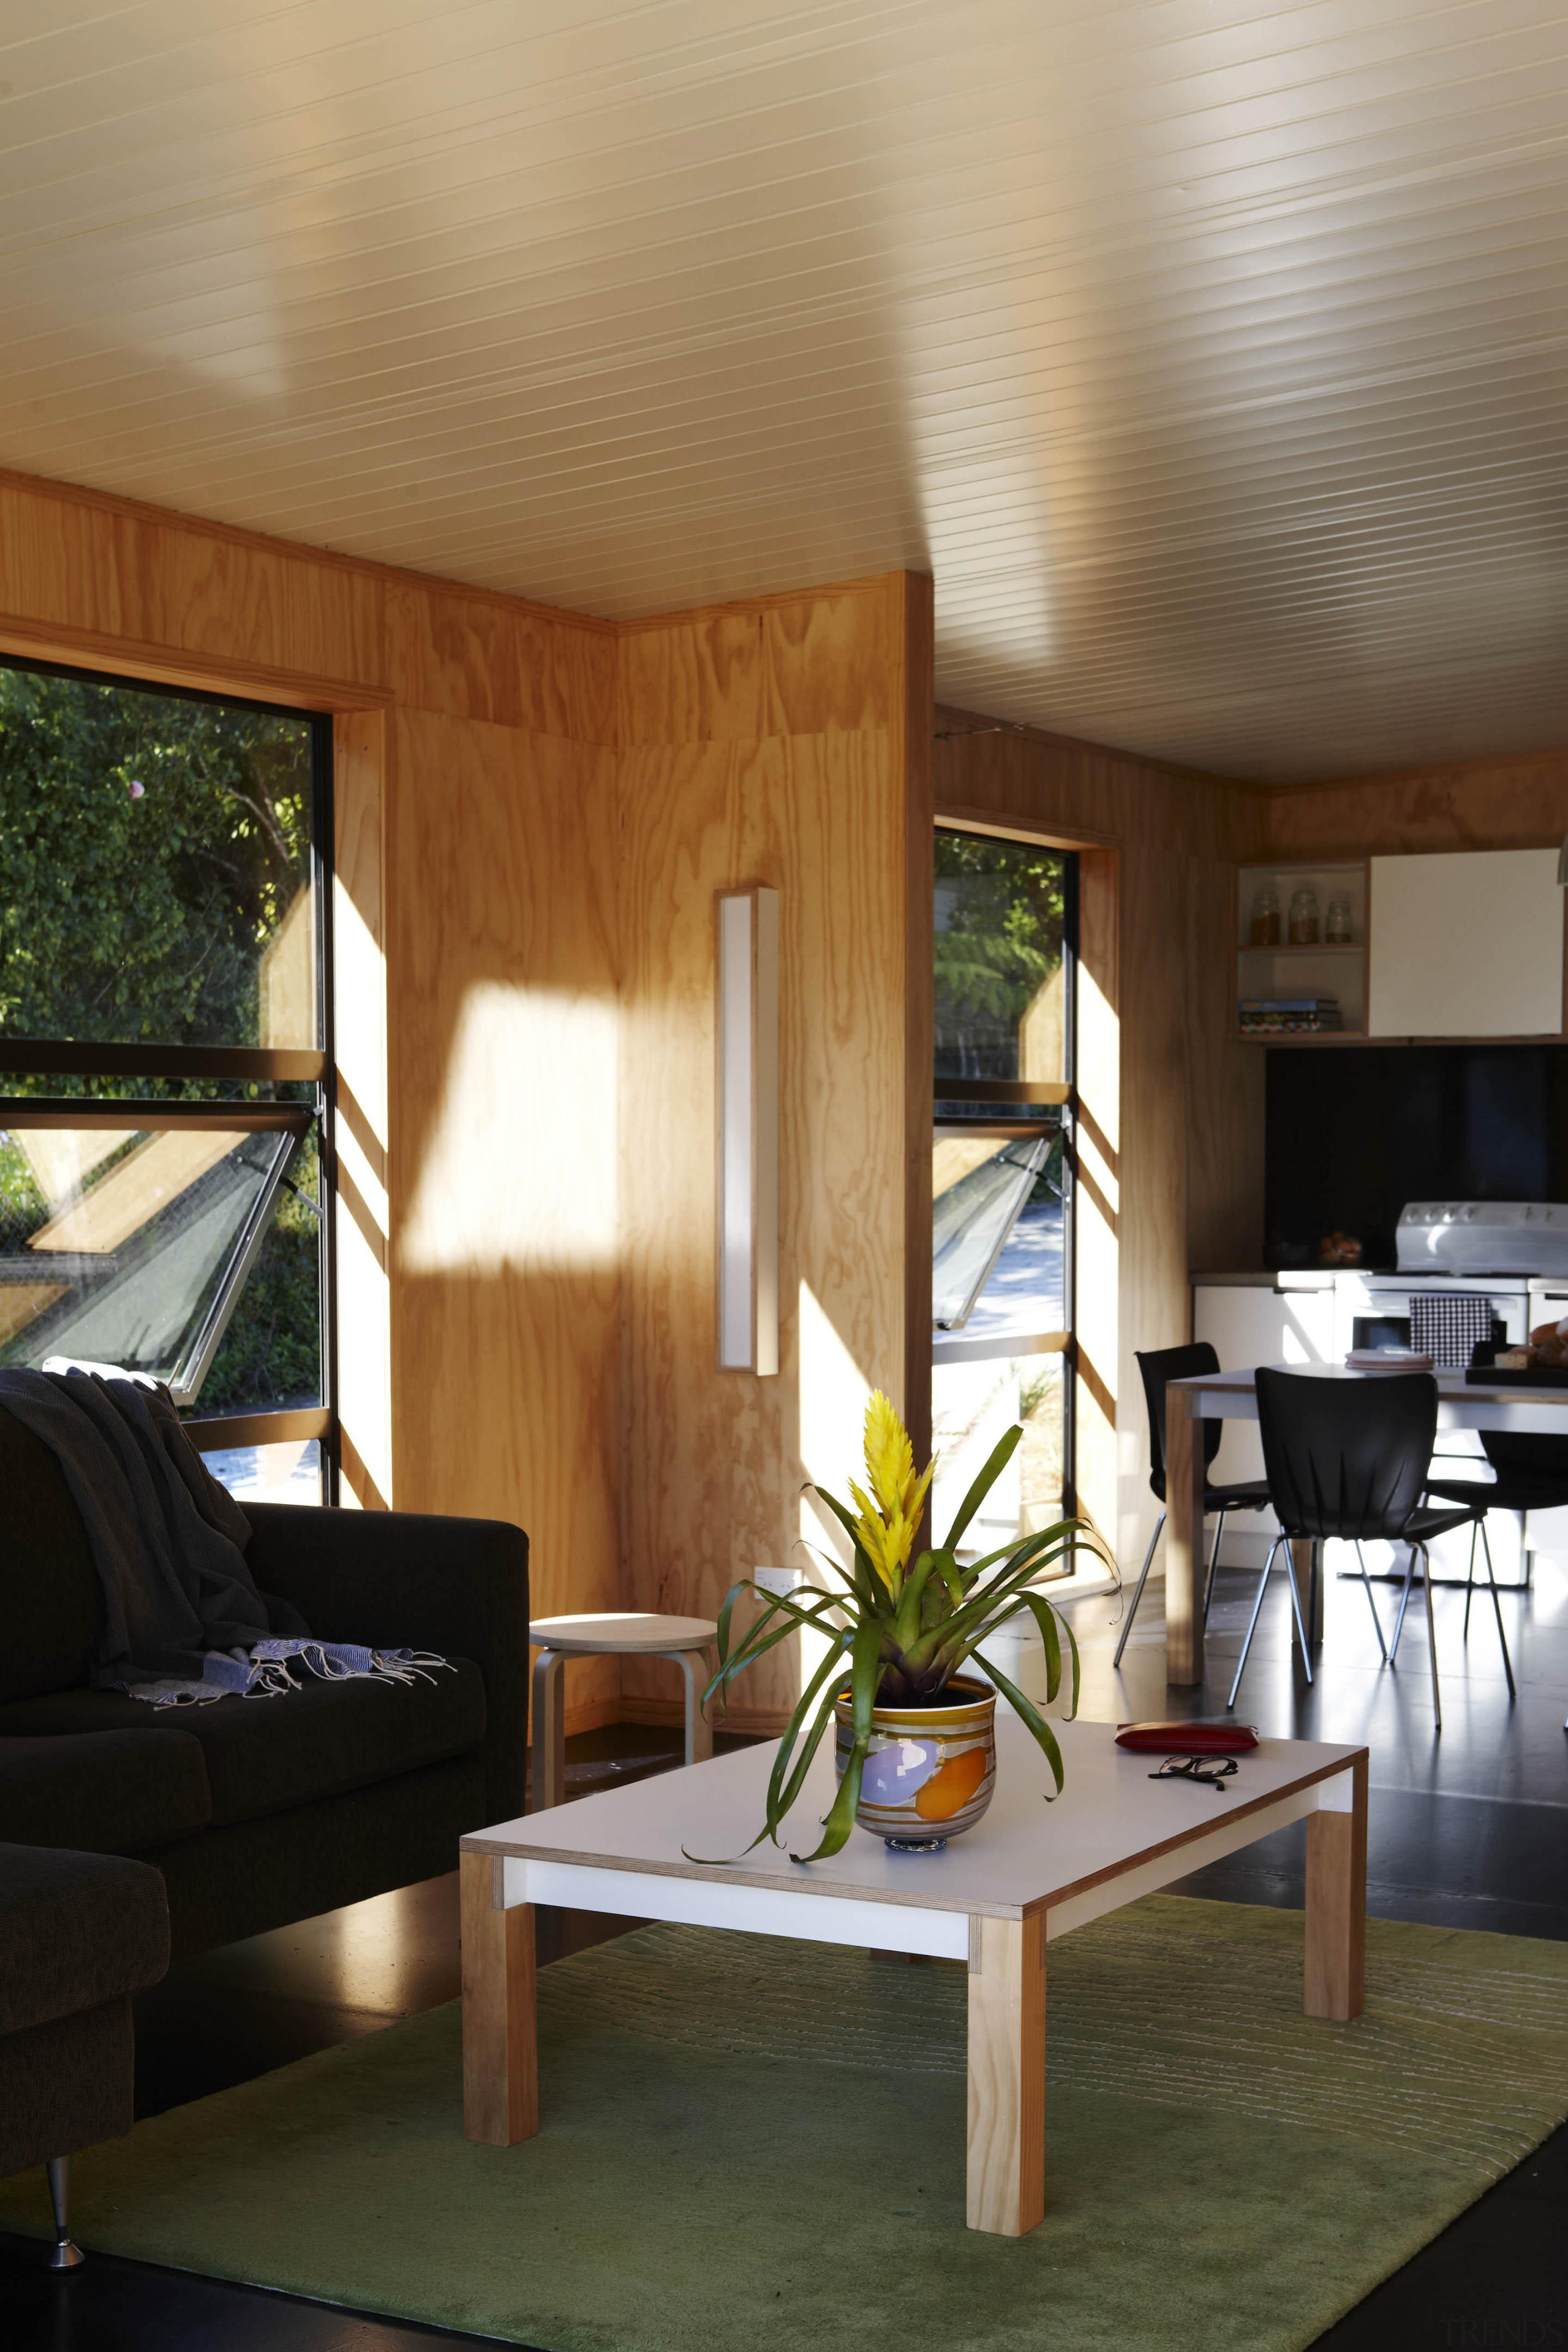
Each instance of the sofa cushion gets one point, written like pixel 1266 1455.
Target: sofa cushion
pixel 105 1791
pixel 263 1755
pixel 76 1931
pixel 50 1607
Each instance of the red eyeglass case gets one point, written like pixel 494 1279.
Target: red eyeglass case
pixel 1200 1738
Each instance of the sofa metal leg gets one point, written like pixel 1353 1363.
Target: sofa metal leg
pixel 63 2254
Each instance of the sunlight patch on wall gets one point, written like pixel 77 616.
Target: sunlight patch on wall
pixel 520 1169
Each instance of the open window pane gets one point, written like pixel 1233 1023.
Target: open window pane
pixel 155 868
pixel 129 1245
pixel 1001 922
pixel 997 1233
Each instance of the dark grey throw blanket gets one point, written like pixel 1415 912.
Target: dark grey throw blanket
pixel 183 1617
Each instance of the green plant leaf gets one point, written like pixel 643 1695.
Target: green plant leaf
pixel 1035 1723
pixel 865 1680
pixel 1001 1455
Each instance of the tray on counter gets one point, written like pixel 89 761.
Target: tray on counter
pixel 1535 1376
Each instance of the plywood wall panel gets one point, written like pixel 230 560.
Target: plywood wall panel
pixel 832 663
pixel 505 1242
pixel 698 680
pixel 714 1464
pixel 113 580
pixel 1474 805
pixel 484 657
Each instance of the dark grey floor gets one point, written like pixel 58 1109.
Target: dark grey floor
pixel 1470 1830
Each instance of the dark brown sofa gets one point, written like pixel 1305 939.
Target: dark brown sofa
pixel 127 1832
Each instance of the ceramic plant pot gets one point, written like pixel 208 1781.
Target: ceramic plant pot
pixel 930 1769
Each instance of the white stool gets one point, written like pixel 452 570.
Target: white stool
pixel 617 1633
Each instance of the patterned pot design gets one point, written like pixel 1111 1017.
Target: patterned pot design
pixel 930 1771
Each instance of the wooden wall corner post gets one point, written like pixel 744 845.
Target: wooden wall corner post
pixel 1006 2178
pixel 500 2057
pixel 1334 1982
pixel 1184 1478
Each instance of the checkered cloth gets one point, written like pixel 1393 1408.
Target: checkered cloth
pixel 1447 1329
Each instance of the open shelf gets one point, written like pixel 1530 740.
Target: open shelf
pixel 1329 969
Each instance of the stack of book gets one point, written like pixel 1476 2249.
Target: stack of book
pixel 1289 1016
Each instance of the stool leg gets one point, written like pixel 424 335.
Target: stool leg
pixel 550 1730
pixel 699 1667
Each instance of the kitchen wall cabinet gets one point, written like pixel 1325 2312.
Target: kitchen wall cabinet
pixel 1466 944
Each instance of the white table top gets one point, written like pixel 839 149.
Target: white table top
pixel 1461 1403
pixel 1023 1856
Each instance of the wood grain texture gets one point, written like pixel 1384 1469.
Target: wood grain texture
pixel 500 2054
pixel 713 1466
pixel 1334 1980
pixel 502 910
pixel 1006 2169
pixel 481 658
pixel 1176 1150
pixel 111 582
pixel 360 754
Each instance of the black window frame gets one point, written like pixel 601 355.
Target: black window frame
pixel 45 1057
pixel 1024 1092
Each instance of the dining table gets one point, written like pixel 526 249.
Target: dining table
pixel 1462 1403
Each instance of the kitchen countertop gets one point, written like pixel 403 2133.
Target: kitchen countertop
pixel 1292 1278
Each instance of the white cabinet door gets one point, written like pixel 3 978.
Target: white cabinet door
pixel 1251 1323
pixel 1467 944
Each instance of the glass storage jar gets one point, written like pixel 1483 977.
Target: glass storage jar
pixel 1266 919
pixel 1337 930
pixel 1304 918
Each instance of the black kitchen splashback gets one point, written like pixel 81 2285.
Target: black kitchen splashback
pixel 1353 1133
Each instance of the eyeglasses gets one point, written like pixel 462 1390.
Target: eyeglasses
pixel 1212 1770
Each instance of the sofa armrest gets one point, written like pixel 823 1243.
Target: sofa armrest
pixel 76 1931
pixel 407 1580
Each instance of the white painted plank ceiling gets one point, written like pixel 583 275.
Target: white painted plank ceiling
pixel 1213 357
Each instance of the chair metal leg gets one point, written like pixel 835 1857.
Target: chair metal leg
pixel 1143 1579
pixel 1431 1635
pixel 1404 1604
pixel 1497 1611
pixel 1470 1578
pixel 549 1731
pixel 1296 1605
pixel 1252 1627
pixel 1213 1566
pixel 63 2254
pixel 1376 1621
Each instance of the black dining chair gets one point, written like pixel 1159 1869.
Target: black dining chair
pixel 1158 1366
pixel 1530 1474
pixel 1349 1459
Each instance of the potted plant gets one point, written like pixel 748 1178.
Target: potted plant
pixel 915 1740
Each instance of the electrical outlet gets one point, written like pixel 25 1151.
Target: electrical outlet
pixel 776 1580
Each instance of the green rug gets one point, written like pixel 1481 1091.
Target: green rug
pixel 754 2143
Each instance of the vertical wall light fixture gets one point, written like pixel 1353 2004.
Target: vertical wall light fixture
pixel 745 960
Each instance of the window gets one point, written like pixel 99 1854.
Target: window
pixel 164 1126
pixel 1001 1303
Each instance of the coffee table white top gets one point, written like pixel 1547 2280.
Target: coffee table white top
pixel 1023 1856
pixel 615 1631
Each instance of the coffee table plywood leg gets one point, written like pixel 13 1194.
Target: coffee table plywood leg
pixel 1006 2191
pixel 1335 1977
pixel 500 2057
pixel 1184 1474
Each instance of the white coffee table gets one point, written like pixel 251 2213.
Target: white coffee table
pixel 1028 1872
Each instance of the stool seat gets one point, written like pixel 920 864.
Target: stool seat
pixel 691 1641
pixel 623 1633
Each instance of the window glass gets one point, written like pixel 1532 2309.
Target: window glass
pixel 124 1244
pixel 973 1404
pixel 998 1243
pixel 287 1470
pixel 1001 974
pixel 155 857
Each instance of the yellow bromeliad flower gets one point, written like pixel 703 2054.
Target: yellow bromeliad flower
pixel 890 1514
